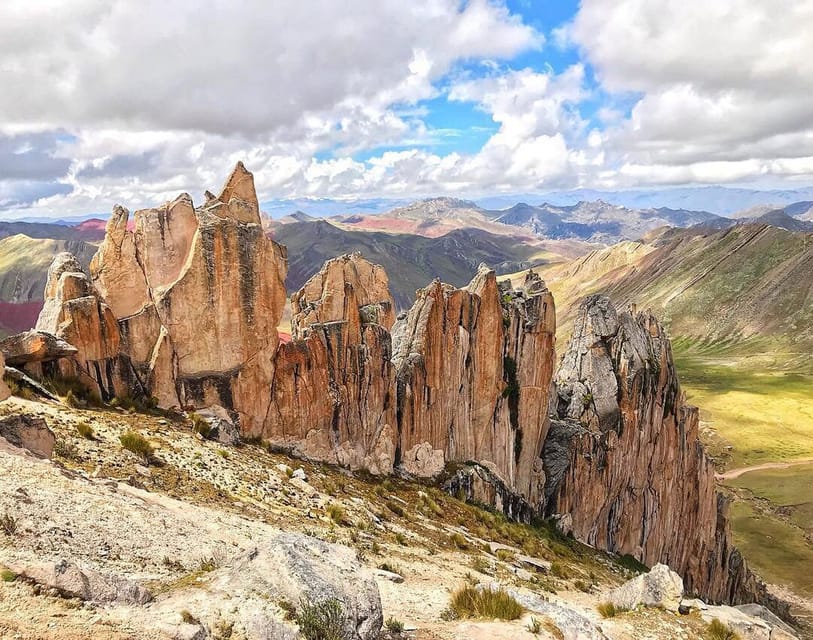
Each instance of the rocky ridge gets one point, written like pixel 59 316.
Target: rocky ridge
pixel 184 309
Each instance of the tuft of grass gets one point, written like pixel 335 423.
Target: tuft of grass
pixel 716 630
pixel 337 513
pixel 470 602
pixel 393 625
pixel 558 570
pixel 396 508
pixel 322 620
pixel 8 524
pixel 609 610
pixel 200 424
pixel 137 444
pixel 481 565
pixel 188 618
pixel 85 430
pixel 66 450
pixel 7 575
pixel 459 541
pixel 506 555
pixel 401 539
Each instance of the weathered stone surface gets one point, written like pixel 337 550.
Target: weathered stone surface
pixel 71 581
pixel 4 390
pixel 474 367
pixel 75 313
pixel 749 621
pixel 333 393
pixel 28 432
pixel 624 461
pixel 661 587
pixel 221 425
pixel 571 624
pixel 34 346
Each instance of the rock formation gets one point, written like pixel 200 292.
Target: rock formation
pixel 623 459
pixel 474 369
pixel 184 308
pixel 4 390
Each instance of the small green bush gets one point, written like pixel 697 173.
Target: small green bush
pixel 322 621
pixel 86 431
pixel 401 539
pixel 200 425
pixel 396 508
pixel 66 450
pixel 716 630
pixel 481 565
pixel 459 541
pixel 470 602
pixel 137 444
pixel 7 575
pixel 394 625
pixel 557 570
pixel 337 513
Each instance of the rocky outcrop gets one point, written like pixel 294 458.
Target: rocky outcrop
pixel 624 461
pixel 76 314
pixel 661 587
pixel 333 394
pixel 474 367
pixel 5 392
pixel 29 433
pixel 34 346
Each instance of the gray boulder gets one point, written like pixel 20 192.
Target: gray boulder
pixel 661 587
pixel 30 433
pixel 35 346
pixel 572 624
pixel 71 581
pixel 221 426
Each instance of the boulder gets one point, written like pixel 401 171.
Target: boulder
pixel 72 581
pixel 221 426
pixel 661 587
pixel 34 346
pixel 5 392
pixel 571 624
pixel 30 433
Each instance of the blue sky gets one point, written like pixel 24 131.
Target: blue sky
pixel 391 100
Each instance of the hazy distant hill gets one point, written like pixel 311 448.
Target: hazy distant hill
pixel 411 261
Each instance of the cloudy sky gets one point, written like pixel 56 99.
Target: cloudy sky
pixel 133 101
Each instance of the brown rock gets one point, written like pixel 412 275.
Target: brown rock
pixel 5 392
pixel 624 461
pixel 30 433
pixel 34 346
pixel 474 368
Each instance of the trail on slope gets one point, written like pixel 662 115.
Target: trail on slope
pixel 736 473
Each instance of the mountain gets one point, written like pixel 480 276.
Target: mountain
pixel 89 230
pixel 411 260
pixel 24 265
pixel 296 216
pixel 430 218
pixel 749 281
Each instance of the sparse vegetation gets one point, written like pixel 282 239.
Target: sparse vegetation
pixel 716 630
pixel 188 618
pixel 66 450
pixel 534 626
pixel 609 610
pixel 396 508
pixel 8 524
pixel 137 444
pixel 391 567
pixel 337 513
pixel 471 602
pixel 322 621
pixel 401 539
pixel 481 565
pixel 85 430
pixel 459 541
pixel 7 575
pixel 393 625
pixel 200 425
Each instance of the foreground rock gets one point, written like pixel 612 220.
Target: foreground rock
pixel 661 587
pixel 624 461
pixel 35 346
pixel 70 581
pixel 748 621
pixel 4 390
pixel 29 433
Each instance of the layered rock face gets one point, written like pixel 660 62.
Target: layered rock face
pixel 333 395
pixel 623 460
pixel 198 294
pixel 474 367
pixel 4 390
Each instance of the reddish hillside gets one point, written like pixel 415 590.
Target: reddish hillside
pixel 18 316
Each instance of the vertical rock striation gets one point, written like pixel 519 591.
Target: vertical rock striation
pixel 623 459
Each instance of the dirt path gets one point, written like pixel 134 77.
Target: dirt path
pixel 736 473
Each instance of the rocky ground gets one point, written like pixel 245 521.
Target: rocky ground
pixel 223 540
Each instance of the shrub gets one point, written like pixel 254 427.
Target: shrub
pixel 8 524
pixel 401 539
pixel 200 425
pixel 470 602
pixel 137 444
pixel 393 625
pixel 322 621
pixel 336 513
pixel 396 508
pixel 86 431
pixel 481 565
pixel 609 610
pixel 459 541
pixel 557 570
pixel 188 618
pixel 288 608
pixel 506 555
pixel 716 630
pixel 66 450
pixel 6 575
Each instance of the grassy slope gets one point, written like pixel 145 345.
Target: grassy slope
pixel 410 261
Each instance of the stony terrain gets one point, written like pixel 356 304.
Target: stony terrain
pixel 184 526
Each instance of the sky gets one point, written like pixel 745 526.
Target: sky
pixel 135 101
